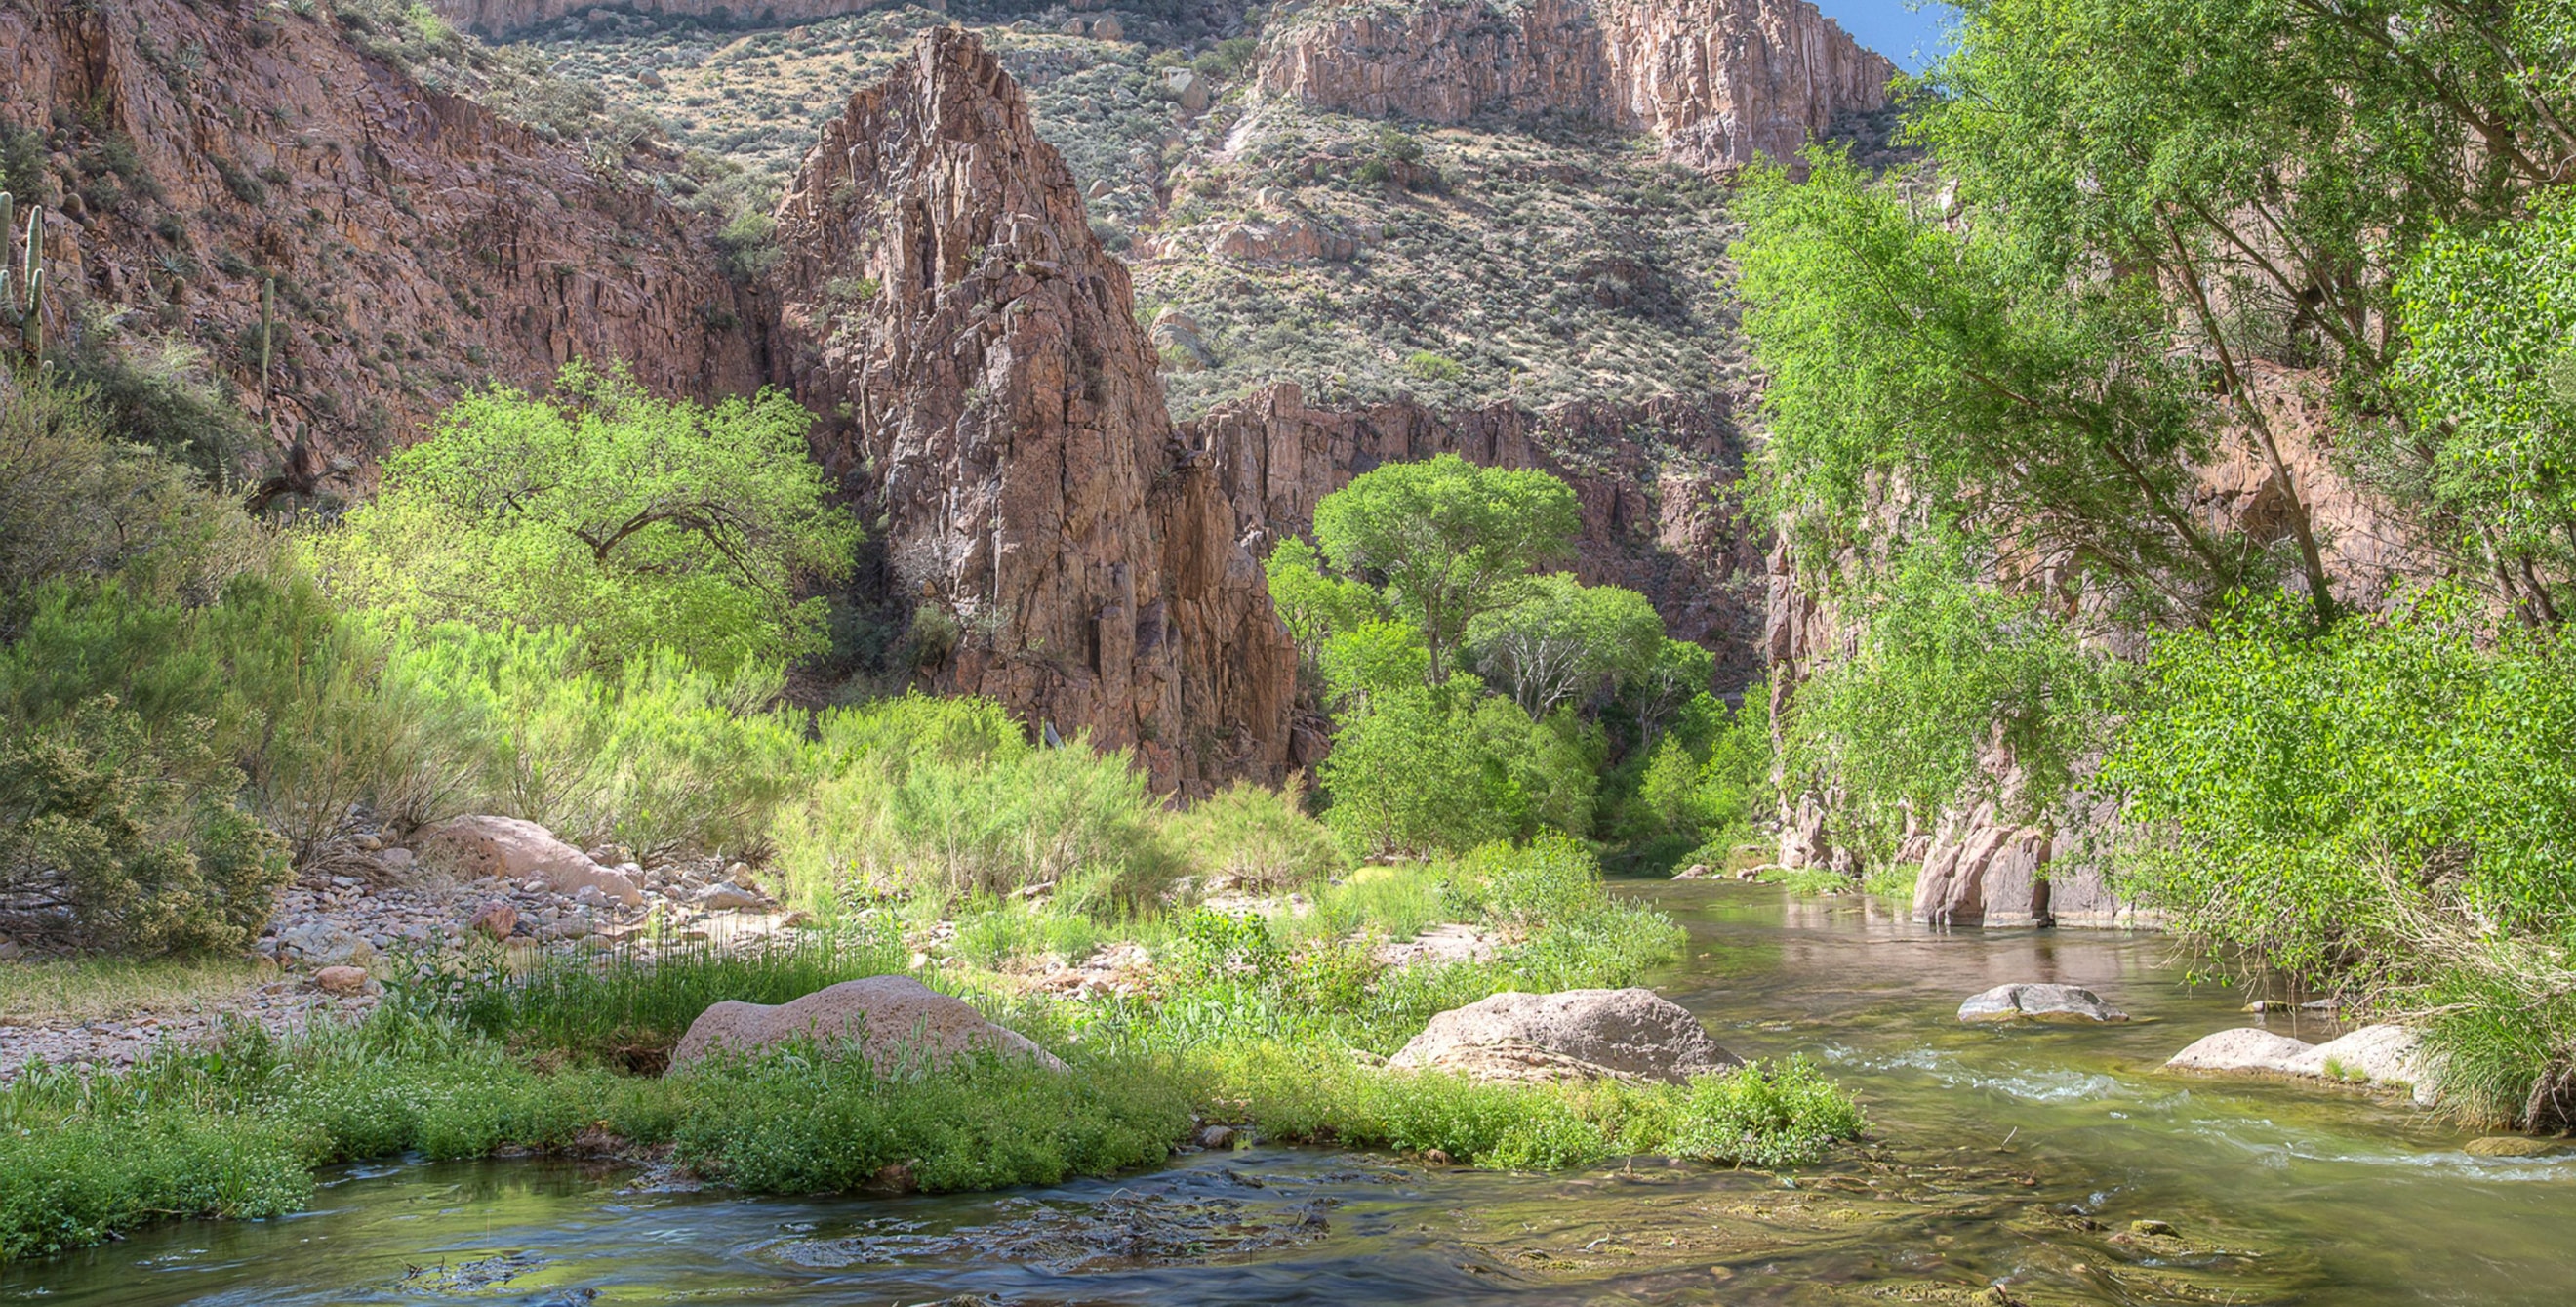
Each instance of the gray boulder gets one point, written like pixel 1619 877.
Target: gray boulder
pixel 899 1025
pixel 1627 1034
pixel 2245 1051
pixel 2053 1003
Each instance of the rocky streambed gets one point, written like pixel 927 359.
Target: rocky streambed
pixel 2010 1162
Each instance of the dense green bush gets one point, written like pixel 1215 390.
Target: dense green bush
pixel 1421 768
pixel 83 503
pixel 1256 835
pixel 132 833
pixel 947 799
pixel 659 754
pixel 2389 803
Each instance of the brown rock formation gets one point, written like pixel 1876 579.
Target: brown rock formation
pixel 1671 532
pixel 1719 81
pixel 942 293
pixel 419 244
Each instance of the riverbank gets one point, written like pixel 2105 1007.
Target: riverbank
pixel 2061 1163
pixel 1265 1022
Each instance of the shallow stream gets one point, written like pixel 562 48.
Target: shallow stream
pixel 2013 1156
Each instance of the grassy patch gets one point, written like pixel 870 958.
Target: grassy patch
pixel 82 989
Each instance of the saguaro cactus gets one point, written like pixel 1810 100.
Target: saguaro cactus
pixel 267 324
pixel 8 227
pixel 34 330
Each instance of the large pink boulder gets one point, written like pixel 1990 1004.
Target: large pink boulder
pixel 475 847
pixel 1627 1034
pixel 898 1024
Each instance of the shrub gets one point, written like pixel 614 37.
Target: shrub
pixel 947 800
pixel 84 505
pixel 2388 805
pixel 660 754
pixel 1785 1115
pixel 132 835
pixel 1256 835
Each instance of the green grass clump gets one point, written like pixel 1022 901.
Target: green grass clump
pixel 622 1009
pixel 1777 1116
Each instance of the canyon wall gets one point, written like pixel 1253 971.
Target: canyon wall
pixel 418 243
pixel 1719 82
pixel 942 297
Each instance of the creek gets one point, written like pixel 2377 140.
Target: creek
pixel 2058 1160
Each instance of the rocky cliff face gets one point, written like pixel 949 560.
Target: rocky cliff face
pixel 1666 527
pixel 1718 81
pixel 419 245
pixel 942 294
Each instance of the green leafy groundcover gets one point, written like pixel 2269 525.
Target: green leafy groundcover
pixel 234 1131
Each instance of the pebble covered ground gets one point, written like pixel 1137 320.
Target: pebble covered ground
pixel 362 904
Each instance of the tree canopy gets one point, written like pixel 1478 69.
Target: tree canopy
pixel 642 521
pixel 1447 539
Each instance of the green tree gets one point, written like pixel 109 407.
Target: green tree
pixel 1314 605
pixel 1447 539
pixel 2044 412
pixel 1560 641
pixel 642 521
pixel 2490 368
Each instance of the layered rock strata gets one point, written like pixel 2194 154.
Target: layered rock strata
pixel 1720 82
pixel 418 243
pixel 942 297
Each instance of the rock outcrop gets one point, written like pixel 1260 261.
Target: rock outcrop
pixel 942 294
pixel 1668 528
pixel 1719 82
pixel 899 1025
pixel 419 243
pixel 1630 1034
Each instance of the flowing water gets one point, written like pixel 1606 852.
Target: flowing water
pixel 2013 1156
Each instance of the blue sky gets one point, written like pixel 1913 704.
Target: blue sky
pixel 1895 28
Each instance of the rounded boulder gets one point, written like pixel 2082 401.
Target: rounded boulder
pixel 1631 1034
pixel 901 1026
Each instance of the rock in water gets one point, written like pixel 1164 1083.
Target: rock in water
pixel 2246 1050
pixel 1631 1034
pixel 475 847
pixel 2516 1146
pixel 2056 1003
pixel 900 1026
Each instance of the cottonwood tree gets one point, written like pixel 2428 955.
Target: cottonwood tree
pixel 1446 539
pixel 644 522
pixel 1560 642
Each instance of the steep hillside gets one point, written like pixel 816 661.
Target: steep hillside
pixel 942 296
pixel 419 243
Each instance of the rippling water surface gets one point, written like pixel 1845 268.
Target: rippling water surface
pixel 2018 1157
